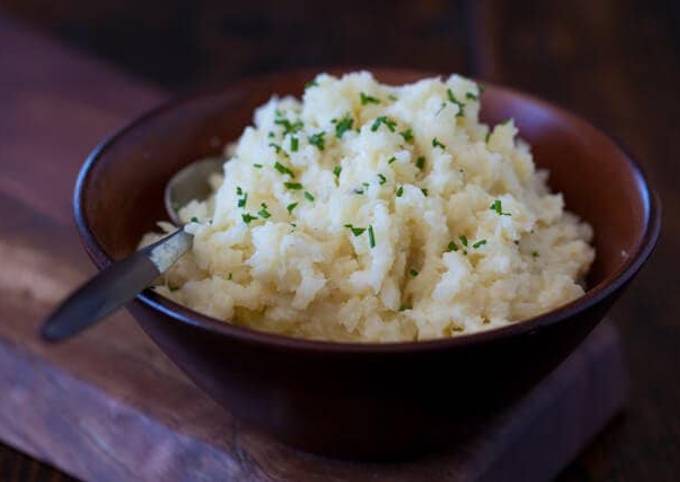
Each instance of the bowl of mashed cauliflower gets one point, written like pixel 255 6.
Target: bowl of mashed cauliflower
pixel 385 254
pixel 369 212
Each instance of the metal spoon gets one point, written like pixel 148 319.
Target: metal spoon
pixel 123 280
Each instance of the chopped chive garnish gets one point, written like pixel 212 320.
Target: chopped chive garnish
pixel 371 236
pixel 424 191
pixel 488 135
pixel 355 231
pixel 367 99
pixel 534 254
pixel 194 219
pixel 295 186
pixel 318 140
pixel 407 135
pixel 471 96
pixel 452 99
pixel 383 179
pixel 365 184
pixel 497 206
pixel 420 162
pixel 405 307
pixel 278 149
pixel 311 83
pixel 391 160
pixel 391 125
pixel 239 191
pixel 452 246
pixel 413 273
pixel 288 126
pixel 336 171
pixel 463 240
pixel 230 276
pixel 247 218
pixel 263 212
pixel 294 144
pixel 257 166
pixel 241 202
pixel 290 207
pixel 436 143
pixel 270 134
pixel 283 169
pixel 309 196
pixel 479 243
pixel 358 190
pixel 343 125
pixel 400 191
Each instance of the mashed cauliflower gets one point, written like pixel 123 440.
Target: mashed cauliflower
pixel 369 212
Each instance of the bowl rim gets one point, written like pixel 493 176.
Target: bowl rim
pixel 597 294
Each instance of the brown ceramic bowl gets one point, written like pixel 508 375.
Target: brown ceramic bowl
pixel 364 400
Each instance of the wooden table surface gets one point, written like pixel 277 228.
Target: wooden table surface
pixel 614 61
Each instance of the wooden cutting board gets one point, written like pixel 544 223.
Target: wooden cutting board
pixel 108 406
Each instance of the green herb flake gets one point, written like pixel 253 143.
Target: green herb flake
pixel 336 171
pixel 371 236
pixel 437 143
pixel 343 125
pixel 452 247
pixel 288 126
pixel 497 206
pixel 239 191
pixel 230 277
pixel 264 214
pixel 405 307
pixel 400 191
pixel 355 231
pixel 194 219
pixel 535 254
pixel 391 125
pixel 241 202
pixel 463 240
pixel 290 207
pixel 424 191
pixel 295 186
pixel 270 135
pixel 420 163
pixel 311 83
pixel 294 144
pixel 283 169
pixel 247 218
pixel 382 178
pixel 318 140
pixel 488 136
pixel 407 135
pixel 257 166
pixel 391 160
pixel 413 273
pixel 309 196
pixel 367 99
pixel 453 100
pixel 479 244
pixel 471 96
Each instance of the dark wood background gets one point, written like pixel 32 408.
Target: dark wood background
pixel 616 62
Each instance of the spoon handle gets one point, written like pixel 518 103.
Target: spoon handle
pixel 114 287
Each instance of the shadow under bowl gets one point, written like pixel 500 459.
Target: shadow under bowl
pixel 349 399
